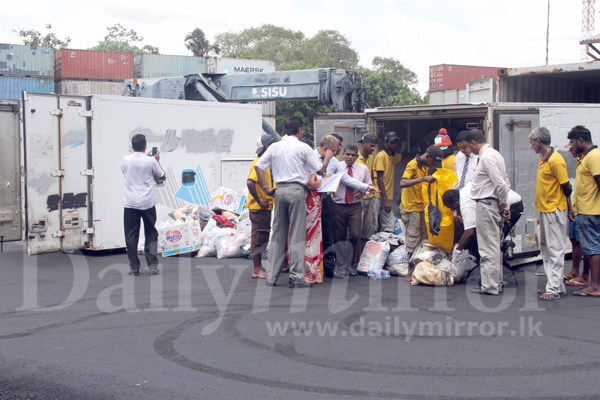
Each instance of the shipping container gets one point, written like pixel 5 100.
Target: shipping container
pixel 449 77
pixel 221 65
pixel 448 97
pixel 565 83
pixel 11 87
pixel 164 65
pixel 214 143
pixel 92 65
pixel 85 88
pixel 482 91
pixel 25 60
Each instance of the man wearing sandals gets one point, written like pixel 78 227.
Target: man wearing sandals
pixel 587 204
pixel 552 194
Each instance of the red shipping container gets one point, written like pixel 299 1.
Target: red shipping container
pixel 92 64
pixel 451 77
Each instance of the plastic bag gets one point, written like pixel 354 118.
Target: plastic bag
pixel 444 266
pixel 212 224
pixel 429 253
pixel 462 263
pixel 209 245
pixel 426 273
pixel 434 213
pixel 237 245
pixel 398 256
pixel 398 269
pixel 373 257
pixel 445 180
pixel 197 212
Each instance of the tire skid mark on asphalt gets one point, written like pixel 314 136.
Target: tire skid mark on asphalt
pixel 164 346
pixel 288 350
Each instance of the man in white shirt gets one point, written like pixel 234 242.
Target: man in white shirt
pixel 460 201
pixel 465 162
pixel 290 160
pixel 347 215
pixel 139 170
pixel 330 142
pixel 489 189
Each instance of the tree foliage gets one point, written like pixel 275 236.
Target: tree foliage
pixel 33 37
pixel 121 39
pixel 198 44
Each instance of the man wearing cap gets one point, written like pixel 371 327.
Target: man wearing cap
pixel 465 161
pixel 368 143
pixel 383 172
pixel 290 160
pixel 260 206
pixel 412 208
pixel 489 189
pixel 331 143
pixel 443 141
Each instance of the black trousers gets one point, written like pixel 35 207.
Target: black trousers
pixel 327 221
pixel 131 219
pixel 348 230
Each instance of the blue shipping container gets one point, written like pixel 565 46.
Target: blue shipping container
pixel 163 65
pixel 12 86
pixel 24 60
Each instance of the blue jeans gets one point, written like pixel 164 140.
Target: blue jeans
pixel 589 234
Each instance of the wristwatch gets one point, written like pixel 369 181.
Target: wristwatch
pixel 265 187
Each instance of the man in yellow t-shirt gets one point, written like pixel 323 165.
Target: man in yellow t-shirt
pixel 552 194
pixel 383 173
pixel 443 141
pixel 368 143
pixel 412 208
pixel 260 206
pixel 587 204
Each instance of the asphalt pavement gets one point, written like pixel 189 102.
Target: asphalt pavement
pixel 76 326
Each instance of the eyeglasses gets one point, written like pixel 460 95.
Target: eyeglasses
pixel 568 147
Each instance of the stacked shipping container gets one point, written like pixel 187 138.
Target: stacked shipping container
pixel 452 77
pixel 24 67
pixel 85 72
pixel 162 66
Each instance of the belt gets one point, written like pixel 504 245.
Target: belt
pixel 488 199
pixel 289 183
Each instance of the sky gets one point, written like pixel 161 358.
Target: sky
pixel 419 33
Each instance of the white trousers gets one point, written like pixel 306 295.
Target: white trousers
pixel 553 238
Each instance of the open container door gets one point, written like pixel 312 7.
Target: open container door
pixel 511 138
pixel 41 164
pixel 10 179
pixel 56 172
pixel 75 149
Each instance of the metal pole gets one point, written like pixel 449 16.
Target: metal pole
pixel 548 32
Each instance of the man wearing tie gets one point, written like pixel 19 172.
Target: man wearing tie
pixel 330 142
pixel 465 163
pixel 348 214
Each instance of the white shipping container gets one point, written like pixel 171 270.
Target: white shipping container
pixel 86 88
pixel 83 207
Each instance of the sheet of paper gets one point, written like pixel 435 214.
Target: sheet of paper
pixel 331 183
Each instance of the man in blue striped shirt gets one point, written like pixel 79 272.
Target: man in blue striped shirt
pixel 139 170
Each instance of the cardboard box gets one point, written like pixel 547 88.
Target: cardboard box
pixel 228 200
pixel 179 238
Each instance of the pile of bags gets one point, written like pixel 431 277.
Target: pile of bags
pixel 226 242
pixel 376 252
pixel 431 266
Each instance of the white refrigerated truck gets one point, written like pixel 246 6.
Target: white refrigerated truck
pixel 63 177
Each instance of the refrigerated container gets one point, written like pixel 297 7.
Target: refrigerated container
pixel 166 65
pixel 223 65
pixel 73 147
pixel 448 97
pixel 86 88
pixel 92 65
pixel 26 61
pixel 11 87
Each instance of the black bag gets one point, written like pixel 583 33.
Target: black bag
pixel 435 214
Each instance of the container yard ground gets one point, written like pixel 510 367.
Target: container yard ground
pixel 321 343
